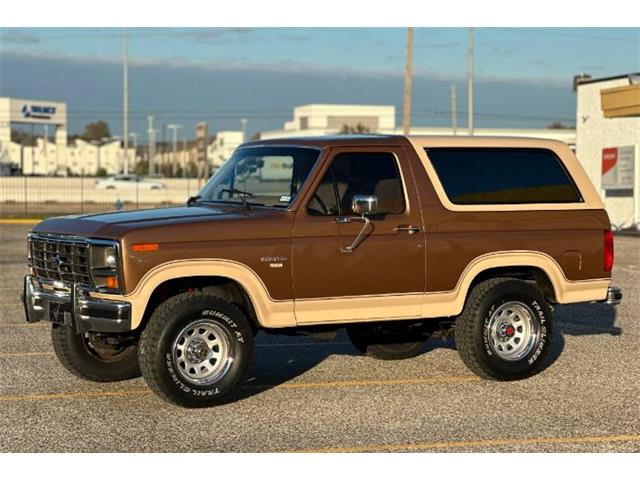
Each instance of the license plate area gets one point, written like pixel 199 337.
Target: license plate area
pixel 60 313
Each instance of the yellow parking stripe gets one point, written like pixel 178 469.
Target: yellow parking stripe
pixel 496 442
pixel 373 383
pixel 71 395
pixel 24 354
pixel 294 385
pixel 19 221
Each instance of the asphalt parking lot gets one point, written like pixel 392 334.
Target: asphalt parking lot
pixel 313 396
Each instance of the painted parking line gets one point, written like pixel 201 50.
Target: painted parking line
pixel 293 385
pixel 19 221
pixel 24 324
pixel 374 383
pixel 496 442
pixel 25 354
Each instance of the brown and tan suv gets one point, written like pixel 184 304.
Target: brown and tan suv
pixel 396 238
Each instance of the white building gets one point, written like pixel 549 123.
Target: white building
pixel 223 145
pixel 608 142
pixel 321 119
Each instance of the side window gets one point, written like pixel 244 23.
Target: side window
pixel 490 176
pixel 374 173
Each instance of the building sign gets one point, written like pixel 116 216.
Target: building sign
pixel 618 168
pixel 41 112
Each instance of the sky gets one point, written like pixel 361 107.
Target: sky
pixel 185 75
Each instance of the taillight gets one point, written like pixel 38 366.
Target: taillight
pixel 608 250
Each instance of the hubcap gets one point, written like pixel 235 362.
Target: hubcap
pixel 512 331
pixel 202 352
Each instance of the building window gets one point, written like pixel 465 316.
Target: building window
pixel 490 176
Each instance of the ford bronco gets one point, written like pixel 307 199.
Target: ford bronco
pixel 395 238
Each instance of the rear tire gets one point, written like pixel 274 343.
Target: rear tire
pixel 196 350
pixel 80 356
pixel 384 342
pixel 504 331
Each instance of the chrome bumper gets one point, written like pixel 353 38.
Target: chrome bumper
pixel 614 296
pixel 74 309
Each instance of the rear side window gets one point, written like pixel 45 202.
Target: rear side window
pixel 491 176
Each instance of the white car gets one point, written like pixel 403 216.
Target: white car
pixel 127 182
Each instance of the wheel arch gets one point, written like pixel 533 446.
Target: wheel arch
pixel 233 279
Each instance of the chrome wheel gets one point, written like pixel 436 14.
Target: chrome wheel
pixel 512 332
pixel 202 352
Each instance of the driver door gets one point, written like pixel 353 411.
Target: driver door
pixel 384 276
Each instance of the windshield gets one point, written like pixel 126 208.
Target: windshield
pixel 261 176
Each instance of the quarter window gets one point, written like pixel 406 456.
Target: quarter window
pixel 374 173
pixel 473 176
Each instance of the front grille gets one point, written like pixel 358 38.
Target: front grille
pixel 63 259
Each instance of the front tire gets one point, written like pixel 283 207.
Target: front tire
pixel 504 331
pixel 196 350
pixel 88 357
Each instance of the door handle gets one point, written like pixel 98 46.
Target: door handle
pixel 410 229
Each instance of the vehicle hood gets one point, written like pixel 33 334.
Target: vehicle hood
pixel 114 225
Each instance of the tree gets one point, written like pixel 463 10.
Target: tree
pixel 350 129
pixel 96 131
pixel 559 126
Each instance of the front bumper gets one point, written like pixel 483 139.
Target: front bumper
pixel 74 308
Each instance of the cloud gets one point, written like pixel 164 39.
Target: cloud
pixel 18 37
pixel 283 67
pixel 213 35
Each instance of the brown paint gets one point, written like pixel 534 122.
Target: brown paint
pixel 387 262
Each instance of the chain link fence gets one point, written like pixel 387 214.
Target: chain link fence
pixel 26 196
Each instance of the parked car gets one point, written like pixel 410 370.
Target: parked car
pixel 126 182
pixel 395 238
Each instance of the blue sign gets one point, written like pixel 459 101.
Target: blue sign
pixel 38 111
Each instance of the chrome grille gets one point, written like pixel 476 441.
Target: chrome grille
pixel 63 259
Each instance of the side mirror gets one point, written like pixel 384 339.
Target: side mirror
pixel 364 204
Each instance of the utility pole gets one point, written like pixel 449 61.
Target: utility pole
pixel 174 162
pixel 408 77
pixel 243 122
pixel 470 83
pixel 152 145
pixel 125 101
pixel 454 110
pixel 134 138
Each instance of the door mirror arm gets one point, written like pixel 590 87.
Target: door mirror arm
pixel 364 205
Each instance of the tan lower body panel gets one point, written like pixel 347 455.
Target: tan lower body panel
pixel 287 313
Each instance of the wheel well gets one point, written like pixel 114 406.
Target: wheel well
pixel 223 287
pixel 526 273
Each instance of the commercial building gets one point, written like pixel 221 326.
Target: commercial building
pixel 608 142
pixel 328 119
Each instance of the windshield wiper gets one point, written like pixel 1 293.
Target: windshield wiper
pixel 241 194
pixel 193 200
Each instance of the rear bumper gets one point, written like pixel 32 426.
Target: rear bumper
pixel 74 308
pixel 614 295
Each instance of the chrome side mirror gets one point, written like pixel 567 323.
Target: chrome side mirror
pixel 364 204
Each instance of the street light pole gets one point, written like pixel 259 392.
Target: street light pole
pixel 243 122
pixel 174 130
pixel 470 83
pixel 125 101
pixel 152 145
pixel 454 110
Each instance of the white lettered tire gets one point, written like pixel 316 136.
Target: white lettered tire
pixel 196 350
pixel 504 331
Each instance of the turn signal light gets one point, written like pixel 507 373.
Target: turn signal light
pixel 608 250
pixel 145 247
pixel 111 282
